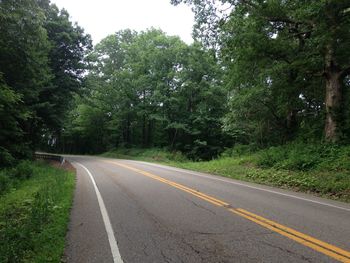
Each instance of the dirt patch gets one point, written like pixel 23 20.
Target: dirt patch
pixel 66 165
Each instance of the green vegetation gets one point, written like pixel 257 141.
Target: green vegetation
pixel 268 79
pixel 261 74
pixel 41 67
pixel 286 66
pixel 151 155
pixel 320 169
pixel 148 89
pixel 35 201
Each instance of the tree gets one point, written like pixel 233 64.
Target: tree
pixel 11 135
pixel 317 32
pixel 24 73
pixel 41 66
pixel 199 106
pixel 150 89
pixel 68 47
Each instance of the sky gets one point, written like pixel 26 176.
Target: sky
pixel 101 18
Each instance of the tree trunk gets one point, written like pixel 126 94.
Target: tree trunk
pixel 128 131
pixel 144 131
pixel 333 107
pixel 291 124
pixel 149 133
pixel 333 101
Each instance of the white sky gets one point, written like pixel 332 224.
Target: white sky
pixel 100 18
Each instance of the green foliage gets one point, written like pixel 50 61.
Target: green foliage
pixel 23 73
pixel 41 64
pixel 5 182
pixel 6 159
pixel 149 90
pixel 302 157
pixel 152 154
pixel 11 177
pixel 34 216
pixel 68 48
pixel 322 169
pixel 239 150
pixel 24 170
pixel 282 60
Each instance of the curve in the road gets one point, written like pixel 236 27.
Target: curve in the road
pixel 306 240
pixel 110 233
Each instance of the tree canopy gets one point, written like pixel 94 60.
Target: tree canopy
pixel 259 72
pixel 286 65
pixel 41 57
pixel 149 89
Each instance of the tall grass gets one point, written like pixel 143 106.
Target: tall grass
pixel 322 169
pixel 151 154
pixel 34 214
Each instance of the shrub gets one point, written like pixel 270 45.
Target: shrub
pixel 23 170
pixel 300 157
pixel 33 218
pixel 5 183
pixel 272 156
pixel 6 159
pixel 239 150
pixel 304 157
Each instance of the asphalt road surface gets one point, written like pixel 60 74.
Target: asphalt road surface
pixel 130 211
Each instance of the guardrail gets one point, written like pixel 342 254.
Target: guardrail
pixel 49 156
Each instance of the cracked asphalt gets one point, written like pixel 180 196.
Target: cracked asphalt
pixel 155 222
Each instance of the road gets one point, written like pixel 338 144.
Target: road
pixel 130 211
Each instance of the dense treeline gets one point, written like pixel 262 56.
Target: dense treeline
pixel 268 72
pixel 41 66
pixel 287 66
pixel 148 89
pixel 260 73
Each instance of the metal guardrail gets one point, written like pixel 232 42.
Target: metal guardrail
pixel 48 156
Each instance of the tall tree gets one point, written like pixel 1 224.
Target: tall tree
pixel 150 89
pixel 24 72
pixel 69 46
pixel 318 32
pixel 41 65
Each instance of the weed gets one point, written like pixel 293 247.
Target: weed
pixel 34 217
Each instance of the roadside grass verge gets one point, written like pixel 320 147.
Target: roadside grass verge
pixel 34 213
pixel 333 185
pixel 320 169
pixel 148 155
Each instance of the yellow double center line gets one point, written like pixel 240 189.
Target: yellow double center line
pixel 318 245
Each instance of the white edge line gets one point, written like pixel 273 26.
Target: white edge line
pixel 241 184
pixel 112 241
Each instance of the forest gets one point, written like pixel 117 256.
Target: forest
pixel 261 95
pixel 258 74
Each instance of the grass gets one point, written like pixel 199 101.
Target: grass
pixel 322 170
pixel 149 155
pixel 34 213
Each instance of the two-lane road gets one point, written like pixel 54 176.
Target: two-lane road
pixel 129 211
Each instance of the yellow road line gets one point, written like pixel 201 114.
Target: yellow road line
pixel 176 185
pixel 327 249
pixel 296 233
pixel 311 242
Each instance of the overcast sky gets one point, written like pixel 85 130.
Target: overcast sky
pixel 100 18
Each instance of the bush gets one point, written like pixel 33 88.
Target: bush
pixel 156 154
pixel 6 159
pixel 300 158
pixel 305 157
pixel 23 170
pixel 238 150
pixel 5 183
pixel 272 156
pixel 34 217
